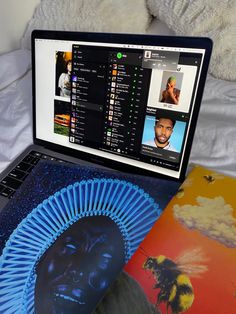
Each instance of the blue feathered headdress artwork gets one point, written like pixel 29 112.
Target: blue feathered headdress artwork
pixel 133 210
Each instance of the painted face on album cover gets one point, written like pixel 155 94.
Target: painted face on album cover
pixel 76 270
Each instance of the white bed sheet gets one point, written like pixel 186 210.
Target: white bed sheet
pixel 15 105
pixel 214 143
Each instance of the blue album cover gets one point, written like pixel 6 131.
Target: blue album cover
pixel 68 232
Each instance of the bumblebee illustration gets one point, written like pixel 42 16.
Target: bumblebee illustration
pixel 209 178
pixel 172 278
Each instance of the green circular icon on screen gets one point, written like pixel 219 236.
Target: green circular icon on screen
pixel 119 55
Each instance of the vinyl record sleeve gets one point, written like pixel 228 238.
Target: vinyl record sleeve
pixel 186 263
pixel 69 231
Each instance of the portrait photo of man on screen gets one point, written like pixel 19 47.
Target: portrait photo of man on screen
pixel 163 129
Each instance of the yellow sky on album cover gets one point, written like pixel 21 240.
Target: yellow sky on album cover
pixel 200 223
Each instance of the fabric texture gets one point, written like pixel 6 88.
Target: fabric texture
pixel 15 105
pixel 115 301
pixel 93 16
pixel 214 19
pixel 11 68
pixel 15 116
pixel 214 144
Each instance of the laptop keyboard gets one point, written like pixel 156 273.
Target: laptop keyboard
pixel 16 177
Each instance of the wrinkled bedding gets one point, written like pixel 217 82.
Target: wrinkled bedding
pixel 15 105
pixel 214 144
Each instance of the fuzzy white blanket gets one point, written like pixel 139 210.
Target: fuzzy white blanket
pixel 214 19
pixel 211 18
pixel 121 16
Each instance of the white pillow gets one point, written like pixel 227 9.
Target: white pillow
pixel 214 19
pixel 83 15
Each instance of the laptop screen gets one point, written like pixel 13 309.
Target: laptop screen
pixel 127 102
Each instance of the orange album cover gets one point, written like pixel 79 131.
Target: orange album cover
pixel 187 262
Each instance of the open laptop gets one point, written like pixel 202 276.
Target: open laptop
pixel 129 102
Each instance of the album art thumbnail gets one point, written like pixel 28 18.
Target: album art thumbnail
pixel 68 232
pixel 63 73
pixel 171 87
pixel 61 117
pixel 172 90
